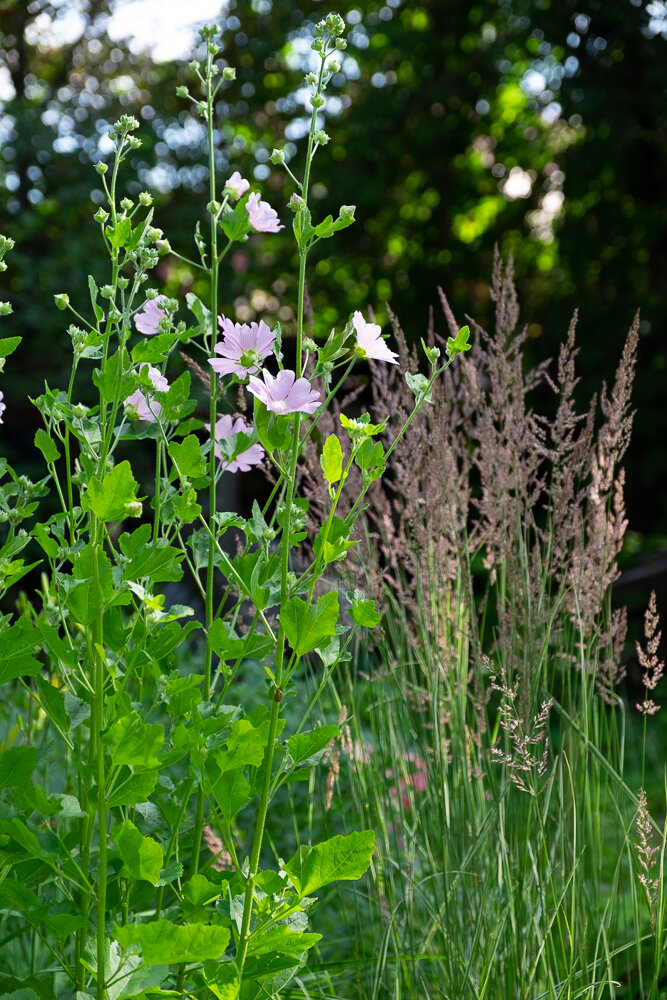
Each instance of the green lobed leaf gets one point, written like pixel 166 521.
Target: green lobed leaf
pixel 135 742
pixel 459 344
pixel 142 856
pixel 369 455
pixel 222 979
pixel 228 646
pixel 230 790
pixel 155 349
pixel 332 540
pixel 8 345
pixel 133 789
pixel 282 941
pixel 107 498
pixel 119 235
pixel 164 943
pixel 362 611
pixel 235 222
pixel 18 642
pixel 331 459
pixel 16 766
pixel 198 892
pixel 187 457
pixel 47 446
pixel 338 859
pixel 307 626
pixel 303 746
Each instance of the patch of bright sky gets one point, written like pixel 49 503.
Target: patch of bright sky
pixel 165 28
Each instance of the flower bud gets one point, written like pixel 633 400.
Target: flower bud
pixel 309 345
pixel 311 79
pixel 123 283
pixel 101 168
pixel 213 48
pixel 213 207
pixel 334 66
pixel 126 123
pixel 127 204
pixel 321 137
pixel 145 199
pixel 335 24
pixel 163 246
pixel 134 142
pixel 134 508
pixel 346 212
pixel 61 300
pixel 193 65
pixel 101 215
pixel 316 101
pixel 296 203
pixel 277 156
pixel 106 291
pixel 341 44
pixel 5 308
pixel 182 92
pixel 229 73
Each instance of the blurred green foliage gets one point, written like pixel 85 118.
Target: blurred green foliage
pixel 539 125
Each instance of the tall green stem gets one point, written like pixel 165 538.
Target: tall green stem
pixel 210 568
pixel 97 720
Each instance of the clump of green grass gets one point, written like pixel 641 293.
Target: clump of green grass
pixel 488 743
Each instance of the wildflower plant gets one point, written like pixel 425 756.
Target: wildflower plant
pixel 114 872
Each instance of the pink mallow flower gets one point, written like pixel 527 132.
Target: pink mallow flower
pixel 148 320
pixel 263 218
pixel 3 406
pixel 243 347
pixel 285 393
pixel 369 342
pixel 142 407
pixel 224 428
pixel 236 186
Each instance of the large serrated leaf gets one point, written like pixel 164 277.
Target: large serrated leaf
pixel 335 860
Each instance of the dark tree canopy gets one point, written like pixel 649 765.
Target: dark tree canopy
pixel 537 125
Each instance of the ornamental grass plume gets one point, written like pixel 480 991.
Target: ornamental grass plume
pixel 648 657
pixel 646 857
pixel 481 475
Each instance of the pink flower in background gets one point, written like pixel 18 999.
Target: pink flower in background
pixel 369 342
pixel 3 406
pixel 236 186
pixel 417 781
pixel 285 393
pixel 243 347
pixel 263 218
pixel 148 320
pixel 224 428
pixel 141 407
